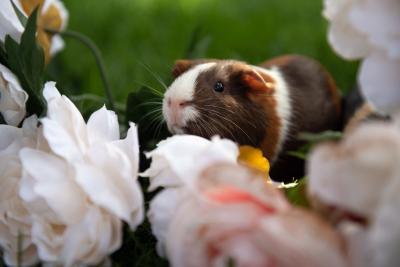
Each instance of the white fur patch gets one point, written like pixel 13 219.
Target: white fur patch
pixel 284 106
pixel 182 90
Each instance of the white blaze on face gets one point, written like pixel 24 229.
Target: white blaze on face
pixel 177 109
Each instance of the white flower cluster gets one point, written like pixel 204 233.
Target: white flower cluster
pixel 369 30
pixel 213 211
pixel 66 185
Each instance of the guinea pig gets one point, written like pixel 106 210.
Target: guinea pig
pixel 264 106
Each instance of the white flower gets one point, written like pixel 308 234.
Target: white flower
pixel 369 30
pixel 86 178
pixel 179 159
pixel 176 163
pixel 238 217
pixel 15 221
pixel 12 97
pixel 9 22
pixel 357 182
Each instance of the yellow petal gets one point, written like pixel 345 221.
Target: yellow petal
pixel 50 19
pixel 29 5
pixel 253 157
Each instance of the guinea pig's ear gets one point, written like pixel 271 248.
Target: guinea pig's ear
pixel 181 66
pixel 256 82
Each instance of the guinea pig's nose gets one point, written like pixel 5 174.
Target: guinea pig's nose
pixel 177 103
pixel 183 104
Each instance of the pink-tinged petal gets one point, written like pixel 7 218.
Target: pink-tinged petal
pixel 91 240
pixel 384 233
pixel 380 80
pixel 103 126
pixel 300 238
pixel 53 183
pixel 109 183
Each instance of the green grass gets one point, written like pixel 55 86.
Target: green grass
pixel 157 32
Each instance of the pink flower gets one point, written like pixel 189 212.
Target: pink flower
pixel 237 217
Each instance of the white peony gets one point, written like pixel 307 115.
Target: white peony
pixel 176 163
pixel 81 185
pixel 12 97
pixel 356 183
pixel 238 217
pixel 368 30
pixel 15 220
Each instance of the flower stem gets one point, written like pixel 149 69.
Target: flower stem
pixel 97 55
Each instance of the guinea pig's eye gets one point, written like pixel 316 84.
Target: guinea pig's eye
pixel 219 87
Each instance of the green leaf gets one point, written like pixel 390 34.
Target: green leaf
pixel 3 55
pixel 21 16
pixel 298 195
pixel 311 139
pixel 319 137
pixel 26 61
pixel 298 154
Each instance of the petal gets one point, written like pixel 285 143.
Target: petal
pixel 109 183
pixel 48 239
pixel 346 41
pixel 187 156
pixel 8 135
pixel 50 91
pixel 367 159
pixel 130 145
pixel 103 126
pixel 13 97
pixel 9 22
pixel 378 22
pixel 161 212
pixel 379 80
pixel 53 182
pixel 64 127
pixel 91 240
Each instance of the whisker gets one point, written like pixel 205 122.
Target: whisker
pixel 157 77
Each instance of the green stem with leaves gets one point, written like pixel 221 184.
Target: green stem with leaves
pixel 97 55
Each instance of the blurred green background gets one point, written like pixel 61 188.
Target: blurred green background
pixel 131 33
